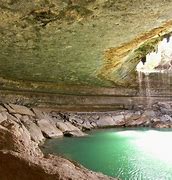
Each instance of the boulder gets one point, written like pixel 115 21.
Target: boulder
pixel 72 127
pixel 133 115
pixel 63 126
pixel 56 115
pixel 105 121
pixel 18 116
pixel 119 120
pixel 86 126
pixel 166 105
pixel 165 118
pixel 48 130
pixel 69 130
pixel 149 113
pixel 39 114
pixel 74 133
pixel 15 137
pixel 142 121
pixel 76 119
pixel 93 124
pixel 2 109
pixel 161 124
pixel 34 130
pixel 3 116
pixel 18 109
pixel 10 110
pixel 12 117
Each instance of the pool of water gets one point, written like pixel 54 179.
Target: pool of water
pixel 130 154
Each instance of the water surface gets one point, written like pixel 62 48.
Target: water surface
pixel 129 154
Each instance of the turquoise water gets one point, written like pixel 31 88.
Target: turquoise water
pixel 129 154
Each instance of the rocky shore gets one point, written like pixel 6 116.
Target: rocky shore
pixel 23 129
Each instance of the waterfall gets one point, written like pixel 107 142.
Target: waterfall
pixel 140 80
pixel 155 72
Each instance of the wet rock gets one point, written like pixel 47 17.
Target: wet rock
pixel 48 130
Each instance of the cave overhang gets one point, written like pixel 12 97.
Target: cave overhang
pixel 121 63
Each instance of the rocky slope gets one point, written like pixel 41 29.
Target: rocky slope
pixel 22 129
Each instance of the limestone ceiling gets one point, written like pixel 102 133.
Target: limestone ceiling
pixel 74 42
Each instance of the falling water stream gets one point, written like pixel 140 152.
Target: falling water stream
pixel 155 71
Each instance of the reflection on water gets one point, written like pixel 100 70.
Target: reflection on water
pixel 129 154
